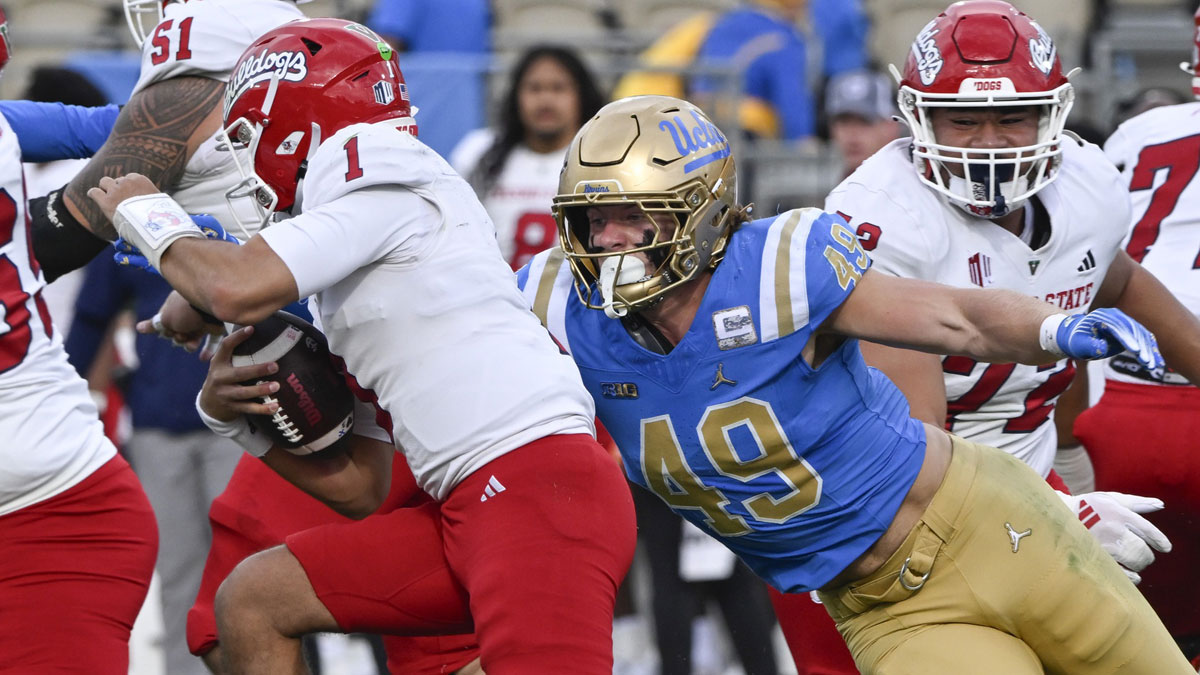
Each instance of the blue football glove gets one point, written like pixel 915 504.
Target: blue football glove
pixel 128 254
pixel 1103 333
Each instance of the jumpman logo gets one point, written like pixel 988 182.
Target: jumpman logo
pixel 1016 536
pixel 720 378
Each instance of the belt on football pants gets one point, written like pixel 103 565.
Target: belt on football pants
pixel 910 567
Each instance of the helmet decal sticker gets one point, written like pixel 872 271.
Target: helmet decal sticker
pixel 701 137
pixel 289 66
pixel 1042 50
pixel 383 92
pixel 929 58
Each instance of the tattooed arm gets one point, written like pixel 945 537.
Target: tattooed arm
pixel 155 135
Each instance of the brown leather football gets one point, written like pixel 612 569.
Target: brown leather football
pixel 316 406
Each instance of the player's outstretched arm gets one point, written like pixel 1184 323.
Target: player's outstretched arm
pixel 989 325
pixel 238 284
pixel 155 134
pixel 352 477
pixel 49 132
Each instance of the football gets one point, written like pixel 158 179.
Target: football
pixel 316 406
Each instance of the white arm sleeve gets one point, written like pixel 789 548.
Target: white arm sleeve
pixel 324 245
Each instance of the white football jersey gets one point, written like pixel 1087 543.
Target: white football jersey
pixel 519 200
pixel 1158 153
pixel 50 433
pixel 911 231
pixel 205 39
pixel 412 292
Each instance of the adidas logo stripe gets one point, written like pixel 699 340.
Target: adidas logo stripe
pixel 1089 261
pixel 492 489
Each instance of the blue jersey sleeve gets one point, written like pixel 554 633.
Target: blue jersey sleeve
pixel 54 131
pixel 834 262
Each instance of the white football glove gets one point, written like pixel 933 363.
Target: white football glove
pixel 1075 468
pixel 1112 518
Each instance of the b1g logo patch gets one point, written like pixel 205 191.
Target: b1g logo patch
pixel 618 390
pixel 734 328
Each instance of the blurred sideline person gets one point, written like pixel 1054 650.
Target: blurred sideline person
pixel 685 574
pixel 418 302
pixel 78 533
pixel 1141 435
pixel 433 25
pixel 861 109
pixel 721 357
pixel 760 43
pixel 514 167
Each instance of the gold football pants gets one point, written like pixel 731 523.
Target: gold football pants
pixel 1015 584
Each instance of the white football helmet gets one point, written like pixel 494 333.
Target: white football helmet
pixel 142 16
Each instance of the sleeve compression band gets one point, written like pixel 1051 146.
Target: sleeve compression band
pixel 60 243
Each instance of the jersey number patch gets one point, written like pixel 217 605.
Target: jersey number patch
pixel 1181 159
pixel 15 333
pixel 1039 403
pixel 162 43
pixel 669 476
pixel 846 272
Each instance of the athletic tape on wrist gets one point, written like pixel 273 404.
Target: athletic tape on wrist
pixel 152 223
pixel 1048 334
pixel 237 430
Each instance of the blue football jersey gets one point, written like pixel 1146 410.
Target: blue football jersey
pixel 798 470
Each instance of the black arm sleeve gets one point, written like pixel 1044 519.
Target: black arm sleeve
pixel 60 243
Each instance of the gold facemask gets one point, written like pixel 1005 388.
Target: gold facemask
pixel 664 155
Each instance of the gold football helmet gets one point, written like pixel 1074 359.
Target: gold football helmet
pixel 664 155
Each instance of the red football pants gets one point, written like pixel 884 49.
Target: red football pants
pixel 1143 440
pixel 538 540
pixel 74 570
pixel 258 510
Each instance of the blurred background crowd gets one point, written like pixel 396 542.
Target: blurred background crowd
pixel 801 87
pixel 459 56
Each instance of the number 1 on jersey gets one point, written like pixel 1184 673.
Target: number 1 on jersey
pixel 353 168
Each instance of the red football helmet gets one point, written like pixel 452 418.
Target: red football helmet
pixel 1193 68
pixel 296 85
pixel 983 53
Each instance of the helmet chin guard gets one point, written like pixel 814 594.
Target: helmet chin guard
pixel 985 54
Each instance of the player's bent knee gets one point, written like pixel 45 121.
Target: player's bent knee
pixel 269 592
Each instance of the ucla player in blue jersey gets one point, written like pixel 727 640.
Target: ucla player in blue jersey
pixel 721 355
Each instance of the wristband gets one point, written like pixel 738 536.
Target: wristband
pixel 237 430
pixel 152 223
pixel 1048 334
